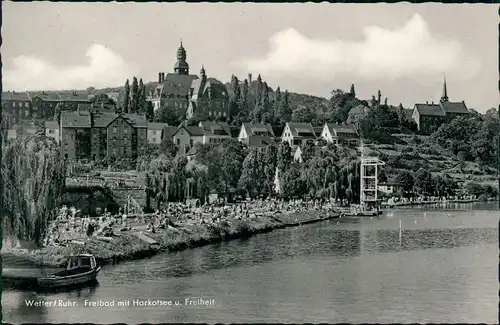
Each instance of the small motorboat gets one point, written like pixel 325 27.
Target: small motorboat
pixel 81 269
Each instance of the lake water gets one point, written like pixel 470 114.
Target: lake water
pixel 444 269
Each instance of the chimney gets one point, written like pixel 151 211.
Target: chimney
pixel 74 93
pixel 249 78
pixel 163 77
pixel 432 102
pixel 159 77
pixel 427 102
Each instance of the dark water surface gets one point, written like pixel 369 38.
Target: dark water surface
pixel 445 269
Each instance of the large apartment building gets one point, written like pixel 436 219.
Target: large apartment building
pixel 41 104
pixel 93 135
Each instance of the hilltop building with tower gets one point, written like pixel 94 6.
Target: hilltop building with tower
pixel 199 97
pixel 429 117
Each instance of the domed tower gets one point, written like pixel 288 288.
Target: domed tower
pixel 181 66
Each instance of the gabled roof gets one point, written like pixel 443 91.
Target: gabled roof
pixel 429 109
pixel 456 107
pixel 212 128
pixel 157 126
pixel 257 141
pixel 137 120
pixel 318 130
pixel 336 128
pixel 103 119
pixel 50 96
pixel 258 127
pixel 51 125
pixel 72 119
pixel 194 131
pixel 15 95
pixel 74 96
pixel 306 129
pixel 177 84
pixel 168 132
pixel 218 89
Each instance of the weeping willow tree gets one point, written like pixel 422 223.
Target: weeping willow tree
pixel 33 175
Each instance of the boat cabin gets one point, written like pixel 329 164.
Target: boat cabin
pixel 83 261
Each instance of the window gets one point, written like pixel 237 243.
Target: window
pixel 191 142
pixel 114 130
pixel 125 130
pixel 224 114
pixel 26 105
pixel 209 113
pixel 178 142
pixel 66 155
pixel 51 131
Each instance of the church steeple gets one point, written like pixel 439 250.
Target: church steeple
pixel 181 66
pixel 444 97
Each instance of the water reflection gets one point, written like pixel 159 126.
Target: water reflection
pixel 350 271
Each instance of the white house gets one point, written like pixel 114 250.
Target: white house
pixel 247 130
pixel 214 133
pixel 155 132
pixel 186 137
pixel 297 133
pixel 52 130
pixel 340 134
pixel 388 187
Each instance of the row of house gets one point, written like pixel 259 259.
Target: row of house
pixel 88 134
pixel 41 104
pixel 428 117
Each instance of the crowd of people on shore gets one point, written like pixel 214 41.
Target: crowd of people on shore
pixel 427 199
pixel 70 224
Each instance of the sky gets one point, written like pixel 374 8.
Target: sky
pixel 403 49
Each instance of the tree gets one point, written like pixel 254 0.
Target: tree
pixel 271 162
pixel 141 98
pixel 284 156
pixel 166 114
pixel 249 178
pixel 32 189
pixel 353 91
pixel 405 179
pixel 307 151
pixel 126 99
pixel 267 112
pixel 277 104
pixel 168 147
pixel 382 177
pixel 134 95
pixel 423 181
pixel 302 114
pixel 149 111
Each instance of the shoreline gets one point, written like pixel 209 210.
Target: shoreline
pixel 399 204
pixel 128 247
